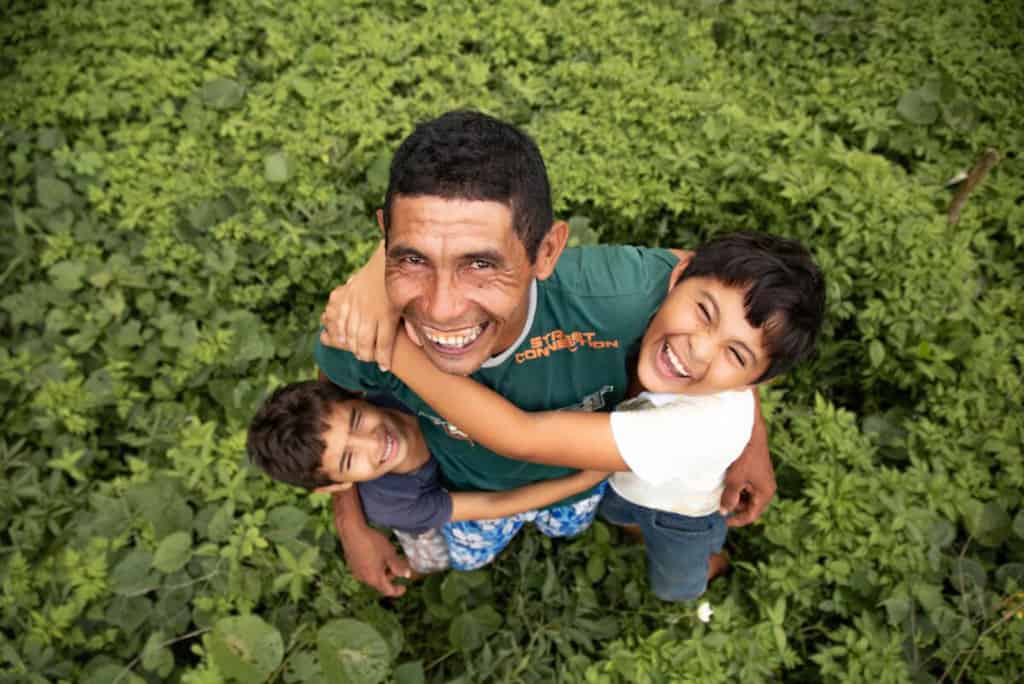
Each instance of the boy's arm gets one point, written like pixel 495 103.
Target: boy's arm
pixel 573 439
pixel 359 316
pixel 487 505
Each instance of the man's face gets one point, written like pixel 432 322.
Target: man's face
pixel 364 441
pixel 700 342
pixel 460 275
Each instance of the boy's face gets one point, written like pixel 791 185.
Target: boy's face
pixel 364 441
pixel 700 342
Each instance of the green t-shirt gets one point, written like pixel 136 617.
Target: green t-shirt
pixel 586 321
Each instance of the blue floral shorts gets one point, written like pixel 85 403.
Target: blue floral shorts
pixel 473 544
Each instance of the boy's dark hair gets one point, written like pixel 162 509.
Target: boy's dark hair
pixel 471 156
pixel 785 290
pixel 286 434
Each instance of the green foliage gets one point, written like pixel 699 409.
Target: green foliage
pixel 181 183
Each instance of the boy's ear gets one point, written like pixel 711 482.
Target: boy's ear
pixel 380 221
pixel 677 272
pixel 550 249
pixel 333 487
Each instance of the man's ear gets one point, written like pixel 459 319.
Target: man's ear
pixel 333 487
pixel 380 221
pixel 550 249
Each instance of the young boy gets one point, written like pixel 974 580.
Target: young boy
pixel 744 309
pixel 318 436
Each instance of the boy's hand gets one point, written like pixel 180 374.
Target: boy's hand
pixel 359 316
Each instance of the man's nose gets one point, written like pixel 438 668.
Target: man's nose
pixel 444 301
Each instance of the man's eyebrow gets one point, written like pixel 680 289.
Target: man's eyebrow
pixel 492 255
pixel 399 251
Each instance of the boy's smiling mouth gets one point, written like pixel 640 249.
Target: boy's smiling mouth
pixel 672 362
pixel 390 447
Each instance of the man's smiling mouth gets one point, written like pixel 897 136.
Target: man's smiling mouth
pixel 456 341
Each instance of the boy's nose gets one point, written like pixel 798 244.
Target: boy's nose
pixel 701 349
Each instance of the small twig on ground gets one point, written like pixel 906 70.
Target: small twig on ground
pixel 974 178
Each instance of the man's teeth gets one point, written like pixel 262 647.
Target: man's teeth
pixel 674 360
pixel 456 341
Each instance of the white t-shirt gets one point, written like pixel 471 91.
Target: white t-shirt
pixel 678 451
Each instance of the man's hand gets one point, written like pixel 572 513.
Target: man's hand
pixel 359 316
pixel 750 480
pixel 369 554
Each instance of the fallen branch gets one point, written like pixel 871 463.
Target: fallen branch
pixel 974 178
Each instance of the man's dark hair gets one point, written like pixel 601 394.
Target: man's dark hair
pixel 286 434
pixel 785 290
pixel 471 156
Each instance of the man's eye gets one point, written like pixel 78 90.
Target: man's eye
pixel 413 260
pixel 481 264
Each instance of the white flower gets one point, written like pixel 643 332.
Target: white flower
pixel 704 612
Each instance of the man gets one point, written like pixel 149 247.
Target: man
pixel 472 264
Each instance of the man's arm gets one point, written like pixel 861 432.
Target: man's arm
pixel 486 505
pixel 369 554
pixel 750 480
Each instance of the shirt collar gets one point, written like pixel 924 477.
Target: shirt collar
pixel 507 354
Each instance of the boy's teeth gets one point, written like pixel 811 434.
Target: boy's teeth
pixel 674 360
pixel 460 340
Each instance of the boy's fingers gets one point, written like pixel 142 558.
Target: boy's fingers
pixel 385 345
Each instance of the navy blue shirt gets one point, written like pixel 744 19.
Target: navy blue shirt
pixel 410 502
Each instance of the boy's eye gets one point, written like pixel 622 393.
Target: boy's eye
pixel 356 416
pixel 739 357
pixel 704 312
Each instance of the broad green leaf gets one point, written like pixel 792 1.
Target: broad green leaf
pixel 156 657
pixel 942 533
pixel 897 609
pixel 876 352
pixel 222 522
pixel 277 168
pixel 128 612
pixel 1018 524
pixel 377 173
pixel 222 93
pixel 410 673
pixel 112 673
pixel 353 651
pixel 173 552
pixel 595 568
pixel 67 275
pixel 53 192
pixel 469 630
pixel 245 648
pixel 967 575
pixel 134 574
pixel 988 522
pixel 916 109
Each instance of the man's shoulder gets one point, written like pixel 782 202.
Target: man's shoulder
pixel 345 370
pixel 611 271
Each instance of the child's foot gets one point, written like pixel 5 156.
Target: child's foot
pixel 718 565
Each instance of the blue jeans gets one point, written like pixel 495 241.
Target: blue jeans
pixel 678 546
